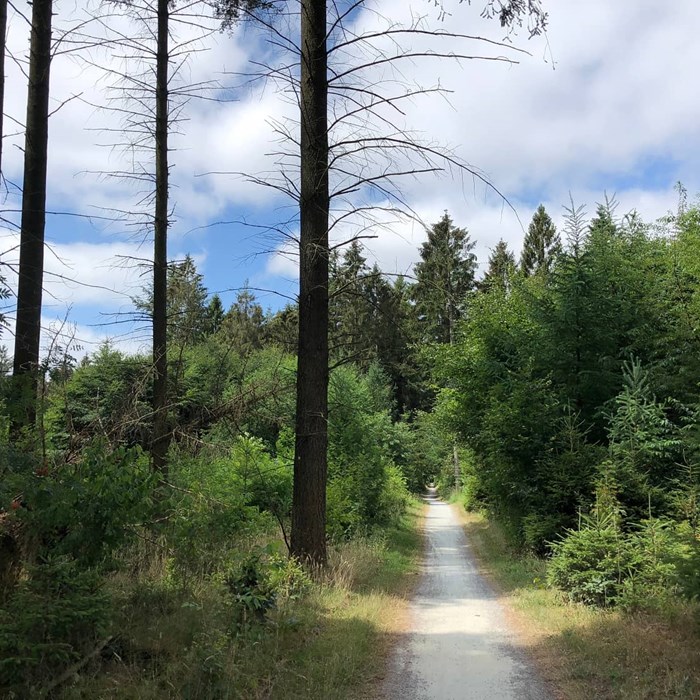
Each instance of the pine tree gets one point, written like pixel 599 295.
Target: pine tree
pixel 394 341
pixel 603 224
pixel 444 277
pixel 501 268
pixel 244 321
pixel 215 314
pixel 349 306
pixel 186 311
pixel 542 244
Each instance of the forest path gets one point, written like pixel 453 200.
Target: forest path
pixel 459 645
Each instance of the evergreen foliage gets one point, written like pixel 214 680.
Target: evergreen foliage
pixel 500 270
pixel 444 277
pixel 541 246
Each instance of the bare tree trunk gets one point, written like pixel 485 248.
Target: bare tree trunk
pixel 3 36
pixel 308 541
pixel 161 435
pixel 31 254
pixel 451 340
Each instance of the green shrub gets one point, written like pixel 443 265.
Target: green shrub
pixel 394 497
pixel 220 498
pixel 263 580
pixel 364 492
pixel 590 564
pixel 84 510
pixel 538 529
pixel 343 517
pixel 646 567
pixel 687 560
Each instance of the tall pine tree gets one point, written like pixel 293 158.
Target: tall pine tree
pixel 444 277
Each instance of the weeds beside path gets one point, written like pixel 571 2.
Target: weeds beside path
pixel 329 644
pixel 587 653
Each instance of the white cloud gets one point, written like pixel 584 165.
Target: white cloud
pixel 284 261
pixel 60 335
pixel 620 100
pixel 98 279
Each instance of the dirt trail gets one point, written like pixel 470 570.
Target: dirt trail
pixel 459 646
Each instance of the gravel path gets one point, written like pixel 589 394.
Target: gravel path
pixel 459 646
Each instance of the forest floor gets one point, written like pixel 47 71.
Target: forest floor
pixel 460 643
pixel 585 653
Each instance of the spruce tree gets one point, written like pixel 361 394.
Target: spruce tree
pixel 215 314
pixel 243 325
pixel 444 277
pixel 542 244
pixel 349 307
pixel 603 224
pixel 501 268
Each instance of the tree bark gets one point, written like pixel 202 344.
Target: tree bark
pixel 308 537
pixel 161 434
pixel 31 254
pixel 3 36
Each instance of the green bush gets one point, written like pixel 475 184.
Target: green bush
pixel 394 497
pixel 223 495
pixel 365 489
pixel 590 564
pixel 687 560
pixel 262 581
pixel 343 517
pixel 644 567
pixel 84 510
pixel 538 529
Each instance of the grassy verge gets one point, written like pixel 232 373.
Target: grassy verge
pixel 329 644
pixel 586 653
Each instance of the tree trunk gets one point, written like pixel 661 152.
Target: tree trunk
pixel 31 254
pixel 161 434
pixel 308 541
pixel 451 340
pixel 455 464
pixel 3 35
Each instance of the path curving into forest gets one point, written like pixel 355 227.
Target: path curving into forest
pixel 458 645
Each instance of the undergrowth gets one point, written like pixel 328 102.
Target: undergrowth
pixel 264 629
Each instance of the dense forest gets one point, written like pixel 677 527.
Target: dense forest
pixel 559 392
pixel 173 522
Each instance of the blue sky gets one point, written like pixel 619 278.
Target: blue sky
pixel 605 102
